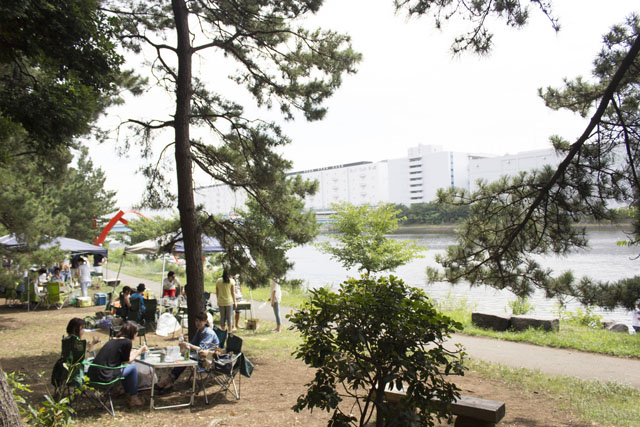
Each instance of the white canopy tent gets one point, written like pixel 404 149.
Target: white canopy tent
pixel 154 247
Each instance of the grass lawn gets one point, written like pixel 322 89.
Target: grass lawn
pixel 32 344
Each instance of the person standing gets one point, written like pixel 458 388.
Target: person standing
pixel 238 291
pixel 169 285
pixel 85 276
pixel 275 298
pixel 226 295
pixel 635 319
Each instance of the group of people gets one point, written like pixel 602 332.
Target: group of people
pixel 76 269
pixel 116 358
pixel 127 295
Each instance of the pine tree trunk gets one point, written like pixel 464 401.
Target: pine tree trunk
pixel 186 205
pixel 9 414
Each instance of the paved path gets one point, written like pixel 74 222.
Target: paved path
pixel 548 360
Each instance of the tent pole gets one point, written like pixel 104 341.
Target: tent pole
pixel 124 254
pixel 164 261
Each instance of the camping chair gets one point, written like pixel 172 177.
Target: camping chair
pixel 54 295
pixel 35 297
pixel 134 311
pixel 10 294
pixel 224 370
pixel 150 315
pixel 222 335
pixel 69 373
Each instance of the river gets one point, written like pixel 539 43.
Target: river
pixel 603 260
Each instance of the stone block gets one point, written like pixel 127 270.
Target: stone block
pixel 521 323
pixel 619 327
pixel 490 321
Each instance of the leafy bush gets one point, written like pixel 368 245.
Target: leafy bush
pixel 459 309
pixel 584 317
pixel 520 306
pixel 53 412
pixel 371 335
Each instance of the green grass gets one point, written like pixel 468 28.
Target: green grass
pixel 570 336
pixel 267 343
pixel 608 404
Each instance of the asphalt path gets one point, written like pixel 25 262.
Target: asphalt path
pixel 552 361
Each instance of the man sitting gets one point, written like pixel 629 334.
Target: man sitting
pixel 138 295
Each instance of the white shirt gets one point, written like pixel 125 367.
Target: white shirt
pixel 276 293
pixel 635 317
pixel 84 272
pixel 166 284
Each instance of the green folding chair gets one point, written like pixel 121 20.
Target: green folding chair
pixel 69 373
pixel 54 296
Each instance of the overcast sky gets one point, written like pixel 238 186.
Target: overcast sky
pixel 409 90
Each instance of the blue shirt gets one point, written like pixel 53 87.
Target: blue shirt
pixel 135 296
pixel 205 339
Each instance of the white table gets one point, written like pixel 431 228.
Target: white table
pixel 154 364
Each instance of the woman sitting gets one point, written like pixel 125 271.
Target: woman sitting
pixel 115 353
pixel 204 338
pixel 125 302
pixel 75 328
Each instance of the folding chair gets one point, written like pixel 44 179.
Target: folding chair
pixel 69 373
pixel 35 297
pixel 54 296
pixel 150 315
pixel 134 311
pixel 224 370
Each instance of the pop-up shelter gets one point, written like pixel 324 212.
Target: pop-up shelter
pixel 155 247
pixel 73 246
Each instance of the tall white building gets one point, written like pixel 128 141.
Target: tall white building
pixel 417 177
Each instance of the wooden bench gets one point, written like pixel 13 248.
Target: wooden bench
pixel 469 411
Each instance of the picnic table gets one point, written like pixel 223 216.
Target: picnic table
pixel 155 359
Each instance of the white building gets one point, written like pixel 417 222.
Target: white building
pixel 492 168
pixel 417 177
pixel 407 180
pixel 356 183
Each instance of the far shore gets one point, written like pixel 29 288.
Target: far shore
pixel 450 228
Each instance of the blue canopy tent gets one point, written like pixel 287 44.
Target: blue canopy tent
pixel 75 247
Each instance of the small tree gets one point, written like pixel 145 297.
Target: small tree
pixel 362 238
pixel 372 334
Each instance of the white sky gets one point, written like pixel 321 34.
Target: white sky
pixel 410 90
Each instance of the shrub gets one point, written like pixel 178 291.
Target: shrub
pixel 373 334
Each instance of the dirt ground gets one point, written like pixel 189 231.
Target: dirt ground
pixel 31 345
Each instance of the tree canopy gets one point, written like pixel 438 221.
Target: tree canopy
pixel 516 218
pixel 362 241
pixel 59 69
pixel 279 63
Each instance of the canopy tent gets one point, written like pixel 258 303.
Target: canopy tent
pixel 154 247
pixel 75 247
pixel 64 243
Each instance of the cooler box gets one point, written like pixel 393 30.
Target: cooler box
pixel 83 302
pixel 100 299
